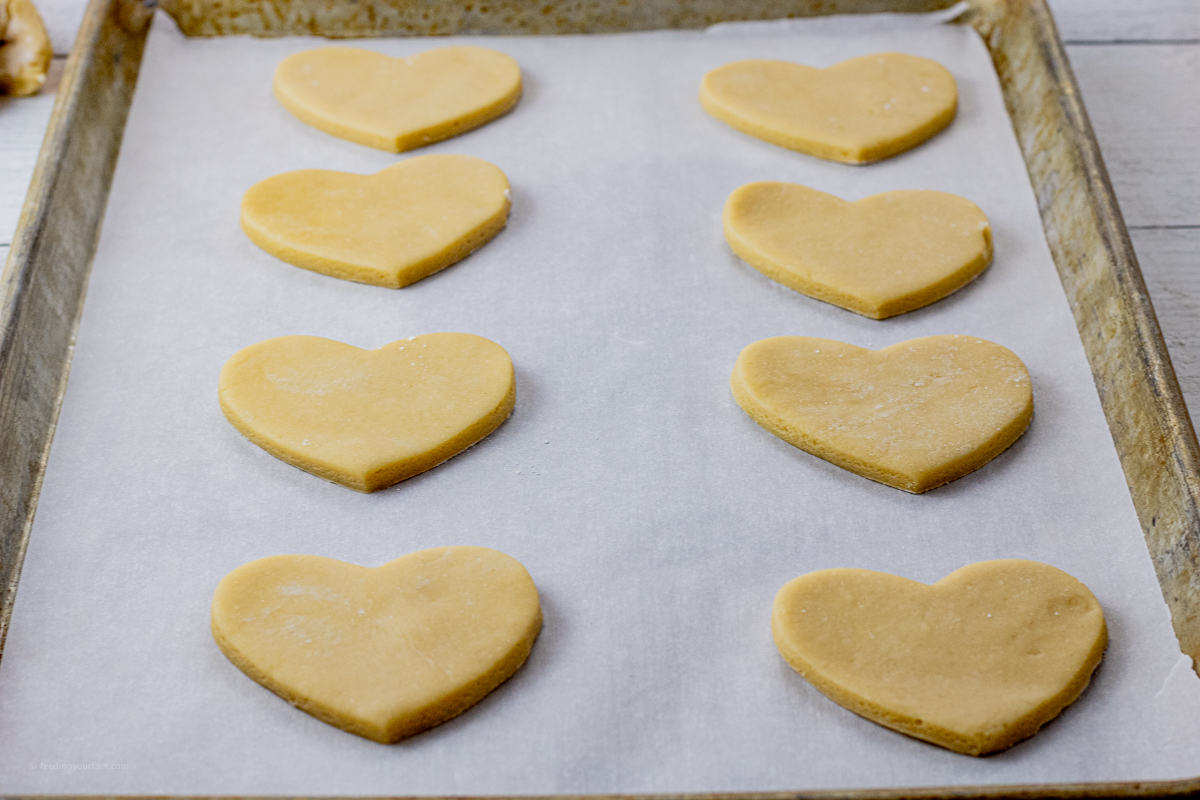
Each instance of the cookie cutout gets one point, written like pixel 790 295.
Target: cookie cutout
pixel 367 419
pixel 393 228
pixel 396 104
pixel 974 663
pixel 914 415
pixel 387 652
pixel 861 110
pixel 879 256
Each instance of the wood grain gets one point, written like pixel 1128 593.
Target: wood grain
pixel 1170 261
pixel 23 124
pixel 62 18
pixel 1126 20
pixel 1144 103
pixel 22 127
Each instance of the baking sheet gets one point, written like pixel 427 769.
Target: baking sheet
pixel 657 519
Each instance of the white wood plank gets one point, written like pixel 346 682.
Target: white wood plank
pixel 1144 103
pixel 22 126
pixel 1170 260
pixel 23 123
pixel 62 18
pixel 1126 20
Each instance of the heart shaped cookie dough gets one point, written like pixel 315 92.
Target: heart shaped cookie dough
pixel 387 652
pixel 914 415
pixel 860 110
pixel 397 104
pixel 368 418
pixel 393 228
pixel 975 663
pixel 879 256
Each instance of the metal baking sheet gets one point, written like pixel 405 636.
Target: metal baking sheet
pixel 619 488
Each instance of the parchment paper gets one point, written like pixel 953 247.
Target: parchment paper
pixel 657 519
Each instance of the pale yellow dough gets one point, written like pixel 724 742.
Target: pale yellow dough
pixel 860 110
pixel 25 51
pixel 393 228
pixel 879 256
pixel 368 418
pixel 387 652
pixel 914 415
pixel 975 663
pixel 397 104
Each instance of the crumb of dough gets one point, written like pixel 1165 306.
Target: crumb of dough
pixel 25 51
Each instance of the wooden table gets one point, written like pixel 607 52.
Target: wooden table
pixel 1138 65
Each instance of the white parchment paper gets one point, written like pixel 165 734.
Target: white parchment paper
pixel 657 519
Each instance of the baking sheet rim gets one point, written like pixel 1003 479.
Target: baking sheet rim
pixel 106 19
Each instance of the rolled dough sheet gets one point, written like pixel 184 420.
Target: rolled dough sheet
pixel 655 517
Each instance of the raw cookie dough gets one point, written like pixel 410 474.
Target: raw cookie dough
pixel 879 256
pixel 397 104
pixel 860 110
pixel 25 51
pixel 368 418
pixel 385 652
pixel 914 415
pixel 975 663
pixel 393 228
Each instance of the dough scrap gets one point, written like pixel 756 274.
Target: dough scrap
pixel 367 419
pixel 974 663
pixel 25 51
pixel 387 652
pixel 914 415
pixel 398 104
pixel 861 110
pixel 879 256
pixel 390 229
